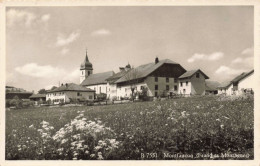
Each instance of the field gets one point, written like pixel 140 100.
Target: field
pixel 209 127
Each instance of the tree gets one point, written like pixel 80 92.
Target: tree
pixel 42 91
pixel 131 78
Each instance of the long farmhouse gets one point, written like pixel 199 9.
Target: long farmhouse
pixel 159 77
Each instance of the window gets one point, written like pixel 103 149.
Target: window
pixel 197 75
pixel 167 79
pixel 88 72
pixel 155 94
pixel 141 87
pixel 187 83
pixel 78 94
pixel 167 87
pixel 90 97
pixel 181 84
pixel 99 89
pixel 156 87
pixel 125 90
pixel 156 79
pixel 175 87
pixel 175 80
pixel 184 90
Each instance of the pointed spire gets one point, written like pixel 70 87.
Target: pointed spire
pixel 86 59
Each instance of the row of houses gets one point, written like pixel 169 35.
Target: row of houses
pixel 160 78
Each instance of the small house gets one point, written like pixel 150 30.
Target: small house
pixel 70 92
pixel 192 83
pixel 38 98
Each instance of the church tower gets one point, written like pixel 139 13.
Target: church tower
pixel 85 69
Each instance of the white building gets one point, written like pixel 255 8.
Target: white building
pixel 67 92
pixel 158 77
pixel 192 83
pixel 240 84
pixel 244 82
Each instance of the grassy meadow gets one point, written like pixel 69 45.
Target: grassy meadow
pixel 206 127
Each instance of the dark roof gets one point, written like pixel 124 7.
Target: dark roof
pixel 37 96
pixel 190 73
pixel 99 78
pixel 211 85
pixel 146 69
pixel 116 76
pixel 18 92
pixel 71 87
pixel 242 76
pixel 86 64
pixel 236 79
pixel 9 86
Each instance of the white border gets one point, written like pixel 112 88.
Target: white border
pixel 254 3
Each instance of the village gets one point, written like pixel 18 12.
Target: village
pixel 156 80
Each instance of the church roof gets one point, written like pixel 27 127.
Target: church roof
pixel 144 70
pixel 99 78
pixel 71 87
pixel 86 64
pixel 191 73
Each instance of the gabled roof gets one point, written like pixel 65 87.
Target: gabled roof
pixel 241 76
pixel 71 87
pixel 37 96
pixel 212 85
pixel 146 69
pixel 235 80
pixel 190 73
pixel 116 76
pixel 99 78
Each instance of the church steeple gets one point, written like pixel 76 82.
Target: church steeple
pixel 86 64
pixel 85 68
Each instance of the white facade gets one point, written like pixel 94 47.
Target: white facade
pixel 84 73
pixel 246 83
pixel 156 87
pixel 65 96
pixel 99 88
pixel 194 85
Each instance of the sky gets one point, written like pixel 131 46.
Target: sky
pixel 46 45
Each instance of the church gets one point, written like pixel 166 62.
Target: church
pixel 160 77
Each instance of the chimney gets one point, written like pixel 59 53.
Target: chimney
pixel 156 60
pixel 121 69
pixel 127 67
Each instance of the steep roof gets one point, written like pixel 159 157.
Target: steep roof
pixel 242 76
pixel 71 87
pixel 190 73
pixel 211 85
pixel 99 78
pixel 146 69
pixel 37 96
pixel 236 79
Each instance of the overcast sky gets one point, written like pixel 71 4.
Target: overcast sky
pixel 46 45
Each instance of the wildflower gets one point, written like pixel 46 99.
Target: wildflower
pixel 86 152
pixel 222 126
pixel 218 120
